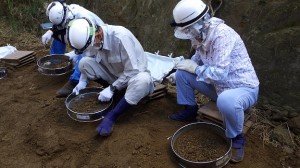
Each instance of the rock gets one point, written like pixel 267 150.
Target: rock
pixel 284 113
pixel 283 135
pixel 279 117
pixel 288 150
pixel 293 114
pixel 294 125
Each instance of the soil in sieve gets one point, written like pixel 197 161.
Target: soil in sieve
pixel 54 64
pixel 88 103
pixel 200 145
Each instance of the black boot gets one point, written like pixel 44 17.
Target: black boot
pixel 106 126
pixel 66 89
pixel 189 114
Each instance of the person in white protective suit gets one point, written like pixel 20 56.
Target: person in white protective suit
pixel 59 13
pixel 220 69
pixel 116 60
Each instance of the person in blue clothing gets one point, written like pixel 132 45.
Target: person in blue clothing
pixel 60 14
pixel 220 69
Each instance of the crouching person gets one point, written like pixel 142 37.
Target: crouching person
pixel 221 69
pixel 117 61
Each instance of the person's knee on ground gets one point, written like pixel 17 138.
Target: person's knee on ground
pixel 66 89
pixel 71 84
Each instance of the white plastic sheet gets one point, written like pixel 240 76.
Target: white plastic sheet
pixel 160 65
pixel 6 50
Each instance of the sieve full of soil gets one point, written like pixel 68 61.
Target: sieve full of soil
pixel 200 145
pixel 56 64
pixel 87 103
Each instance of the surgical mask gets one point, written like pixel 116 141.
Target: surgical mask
pixel 199 28
pixel 196 43
pixel 194 30
pixel 98 46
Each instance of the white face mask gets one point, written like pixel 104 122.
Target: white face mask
pixel 196 43
pixel 98 46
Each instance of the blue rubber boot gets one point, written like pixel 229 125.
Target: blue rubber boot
pixel 189 114
pixel 238 144
pixel 106 126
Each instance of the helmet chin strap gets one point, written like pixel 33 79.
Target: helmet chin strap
pixel 65 8
pixel 69 16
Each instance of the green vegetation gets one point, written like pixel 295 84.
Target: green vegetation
pixel 24 14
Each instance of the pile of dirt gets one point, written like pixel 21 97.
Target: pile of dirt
pixel 36 131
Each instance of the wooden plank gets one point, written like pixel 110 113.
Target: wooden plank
pixel 157 97
pixel 32 59
pixel 27 57
pixel 213 120
pixel 16 56
pixel 210 121
pixel 159 86
pixel 210 112
pixel 157 93
pixel 210 109
pixel 27 62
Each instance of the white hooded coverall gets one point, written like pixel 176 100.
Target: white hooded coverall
pixel 121 62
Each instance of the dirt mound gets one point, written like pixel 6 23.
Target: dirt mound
pixel 37 132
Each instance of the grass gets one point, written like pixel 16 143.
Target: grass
pixel 265 128
pixel 24 14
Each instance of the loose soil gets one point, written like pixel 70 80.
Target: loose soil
pixel 56 64
pixel 201 145
pixel 36 131
pixel 87 103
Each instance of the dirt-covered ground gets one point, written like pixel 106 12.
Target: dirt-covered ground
pixel 35 130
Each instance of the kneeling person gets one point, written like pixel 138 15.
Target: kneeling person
pixel 117 61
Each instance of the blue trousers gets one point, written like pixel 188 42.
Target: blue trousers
pixel 57 47
pixel 231 103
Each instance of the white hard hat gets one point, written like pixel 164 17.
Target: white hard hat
pixel 81 34
pixel 57 11
pixel 185 14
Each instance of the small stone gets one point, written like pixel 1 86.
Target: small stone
pixel 293 114
pixel 287 150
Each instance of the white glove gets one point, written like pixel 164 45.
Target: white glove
pixel 187 65
pixel 79 86
pixel 47 37
pixel 171 78
pixel 105 95
pixel 72 56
